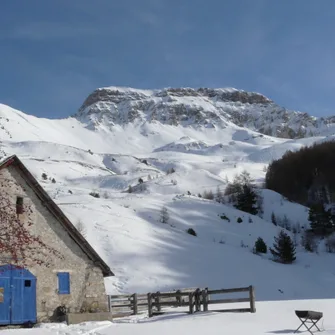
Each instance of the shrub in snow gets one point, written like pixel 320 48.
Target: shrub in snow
pixel 330 243
pixel 53 180
pixel 239 220
pixel 81 228
pixel 95 194
pixel 69 191
pixel 140 180
pixel 224 217
pixel 130 189
pixel 44 176
pixel 142 187
pixel 250 219
pixel 199 195
pixel 191 231
pixel 260 246
pixel 296 228
pixel 309 241
pixel 286 223
pixel 170 171
pixel 219 197
pixel 209 195
pixel 274 219
pixel 164 215
pixel 283 249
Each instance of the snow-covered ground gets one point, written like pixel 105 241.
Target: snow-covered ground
pixel 270 318
pixel 125 228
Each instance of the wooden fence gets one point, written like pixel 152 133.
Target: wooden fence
pixel 124 305
pixel 194 299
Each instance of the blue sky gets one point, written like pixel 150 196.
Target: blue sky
pixel 54 53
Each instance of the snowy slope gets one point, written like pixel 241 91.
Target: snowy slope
pixel 125 228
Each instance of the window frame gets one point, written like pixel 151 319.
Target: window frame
pixel 64 282
pixel 19 205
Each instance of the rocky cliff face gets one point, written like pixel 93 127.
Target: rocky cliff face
pixel 203 107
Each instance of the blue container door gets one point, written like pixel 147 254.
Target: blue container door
pixel 29 300
pixel 5 297
pixel 23 300
pixel 17 295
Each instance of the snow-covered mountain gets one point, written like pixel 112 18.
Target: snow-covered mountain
pixel 207 136
pixel 203 107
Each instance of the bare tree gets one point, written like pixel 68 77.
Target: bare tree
pixel 164 215
pixel 219 195
pixel 81 228
pixel 330 243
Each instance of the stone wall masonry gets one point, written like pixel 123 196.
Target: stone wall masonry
pixel 87 290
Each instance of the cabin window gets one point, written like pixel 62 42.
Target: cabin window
pixel 63 282
pixel 27 283
pixel 19 205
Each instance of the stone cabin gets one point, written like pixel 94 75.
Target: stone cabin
pixel 72 284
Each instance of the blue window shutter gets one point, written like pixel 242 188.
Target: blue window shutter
pixel 63 282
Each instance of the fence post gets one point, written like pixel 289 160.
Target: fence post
pixel 252 299
pixel 190 302
pixel 197 300
pixel 205 299
pixel 135 306
pixel 109 304
pixel 150 305
pixel 157 300
pixel 178 297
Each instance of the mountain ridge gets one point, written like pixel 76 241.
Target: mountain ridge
pixel 202 107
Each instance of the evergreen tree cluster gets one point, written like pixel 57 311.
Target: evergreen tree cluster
pixel 305 176
pixel 242 194
pixel 321 219
pixel 283 248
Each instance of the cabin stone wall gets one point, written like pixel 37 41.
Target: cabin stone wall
pixel 87 290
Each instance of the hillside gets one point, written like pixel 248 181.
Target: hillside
pixel 105 147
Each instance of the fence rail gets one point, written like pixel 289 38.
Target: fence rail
pixel 193 298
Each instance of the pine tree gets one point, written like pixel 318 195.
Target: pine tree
pixel 283 248
pixel 286 223
pixel 274 219
pixel 320 219
pixel 247 200
pixel 219 195
pixel 260 246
